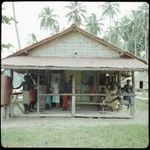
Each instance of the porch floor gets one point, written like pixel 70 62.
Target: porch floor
pixel 58 112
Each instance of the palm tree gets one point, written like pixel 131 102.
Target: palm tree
pixel 115 33
pixel 6 20
pixel 76 13
pixel 48 20
pixel 144 15
pixel 16 28
pixel 110 9
pixel 32 39
pixel 93 25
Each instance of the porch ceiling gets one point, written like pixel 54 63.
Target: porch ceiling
pixel 72 63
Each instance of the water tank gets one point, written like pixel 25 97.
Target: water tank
pixel 6 90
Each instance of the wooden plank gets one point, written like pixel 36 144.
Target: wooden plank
pixel 38 105
pixel 85 94
pixel 88 103
pixel 70 68
pixel 43 115
pixel 133 87
pixel 11 98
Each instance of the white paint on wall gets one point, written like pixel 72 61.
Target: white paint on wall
pixel 74 45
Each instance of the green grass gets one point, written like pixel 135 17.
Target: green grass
pixel 141 105
pixel 101 136
pixel 109 136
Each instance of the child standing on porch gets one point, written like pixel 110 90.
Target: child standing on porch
pixel 48 99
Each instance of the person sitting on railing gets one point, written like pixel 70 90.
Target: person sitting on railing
pixel 128 89
pixel 112 100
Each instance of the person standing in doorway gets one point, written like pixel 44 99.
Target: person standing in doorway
pixel 56 98
pixel 128 89
pixel 66 89
pixel 90 83
pixel 32 92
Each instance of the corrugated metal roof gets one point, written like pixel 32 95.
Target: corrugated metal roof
pixel 77 63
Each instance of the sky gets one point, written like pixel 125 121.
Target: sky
pixel 28 22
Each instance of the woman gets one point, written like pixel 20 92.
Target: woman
pixel 56 98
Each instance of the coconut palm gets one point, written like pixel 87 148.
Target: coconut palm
pixel 93 25
pixel 115 33
pixel 76 13
pixel 144 15
pixel 110 9
pixel 32 39
pixel 6 20
pixel 16 28
pixel 48 20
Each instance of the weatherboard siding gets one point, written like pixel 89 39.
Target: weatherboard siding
pixel 74 45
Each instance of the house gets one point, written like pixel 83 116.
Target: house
pixel 141 77
pixel 75 53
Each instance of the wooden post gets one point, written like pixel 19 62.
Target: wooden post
pixel 73 96
pixel 119 87
pixel 11 100
pixel 98 85
pixel 132 99
pixel 38 100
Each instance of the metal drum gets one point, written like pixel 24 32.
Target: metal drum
pixel 6 90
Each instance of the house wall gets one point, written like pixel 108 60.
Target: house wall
pixel 74 45
pixel 141 76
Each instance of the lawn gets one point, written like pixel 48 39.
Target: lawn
pixel 50 132
pixel 109 136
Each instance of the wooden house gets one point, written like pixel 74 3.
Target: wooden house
pixel 74 52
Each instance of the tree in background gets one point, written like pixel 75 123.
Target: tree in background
pixel 32 39
pixel 6 20
pixel 16 28
pixel 94 25
pixel 132 31
pixel 48 20
pixel 111 10
pixel 144 15
pixel 76 13
pixel 115 33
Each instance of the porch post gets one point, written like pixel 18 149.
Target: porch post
pixel 119 87
pixel 132 100
pixel 38 106
pixel 11 108
pixel 73 96
pixel 98 84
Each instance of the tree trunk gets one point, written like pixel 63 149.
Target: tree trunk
pixel 16 28
pixel 110 29
pixel 135 53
